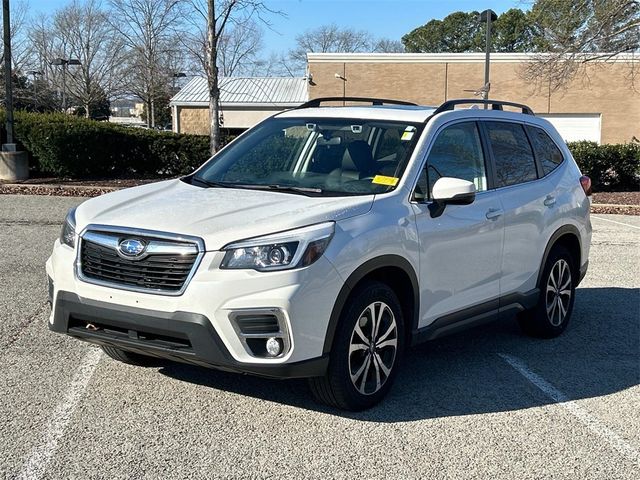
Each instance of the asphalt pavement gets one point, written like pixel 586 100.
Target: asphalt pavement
pixel 486 403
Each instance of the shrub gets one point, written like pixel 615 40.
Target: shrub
pixel 64 145
pixel 612 167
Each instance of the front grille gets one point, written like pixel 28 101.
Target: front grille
pixel 99 261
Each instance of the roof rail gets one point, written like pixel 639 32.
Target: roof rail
pixel 374 101
pixel 495 105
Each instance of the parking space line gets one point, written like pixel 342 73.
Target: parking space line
pixel 572 407
pixel 613 221
pixel 40 456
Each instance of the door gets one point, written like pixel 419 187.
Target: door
pixel 460 250
pixel 526 202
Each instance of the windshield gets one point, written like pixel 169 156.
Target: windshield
pixel 315 157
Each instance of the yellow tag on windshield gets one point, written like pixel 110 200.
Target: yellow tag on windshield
pixel 406 136
pixel 382 180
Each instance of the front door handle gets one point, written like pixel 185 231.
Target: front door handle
pixel 550 201
pixel 493 213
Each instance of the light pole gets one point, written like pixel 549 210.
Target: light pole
pixel 488 16
pixel 174 76
pixel 64 63
pixel 35 74
pixel 14 165
pixel 8 95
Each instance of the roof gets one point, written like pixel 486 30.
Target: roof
pixel 246 91
pixel 444 57
pixel 402 113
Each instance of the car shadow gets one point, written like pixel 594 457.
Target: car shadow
pixel 465 374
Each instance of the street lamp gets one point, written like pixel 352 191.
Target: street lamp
pixel 487 16
pixel 64 63
pixel 35 74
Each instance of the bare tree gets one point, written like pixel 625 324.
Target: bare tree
pixel 386 45
pixel 86 33
pixel 575 34
pixel 238 48
pixel 20 45
pixel 330 38
pixel 214 24
pixel 147 28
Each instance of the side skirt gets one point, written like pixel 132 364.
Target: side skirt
pixel 477 315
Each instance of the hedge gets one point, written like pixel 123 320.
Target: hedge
pixel 612 167
pixel 65 145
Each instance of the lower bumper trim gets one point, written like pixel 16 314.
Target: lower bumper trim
pixel 180 336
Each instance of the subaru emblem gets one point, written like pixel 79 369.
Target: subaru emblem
pixel 130 247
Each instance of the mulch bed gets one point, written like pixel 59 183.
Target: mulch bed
pixel 626 203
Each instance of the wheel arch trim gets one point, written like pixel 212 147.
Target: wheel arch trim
pixel 560 232
pixel 367 268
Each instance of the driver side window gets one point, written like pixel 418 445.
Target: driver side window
pixel 457 152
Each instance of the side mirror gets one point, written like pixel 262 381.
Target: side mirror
pixel 451 191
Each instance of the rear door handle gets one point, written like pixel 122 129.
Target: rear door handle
pixel 493 213
pixel 550 201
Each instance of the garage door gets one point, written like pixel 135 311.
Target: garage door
pixel 576 126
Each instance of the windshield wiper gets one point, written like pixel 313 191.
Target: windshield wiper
pixel 258 186
pixel 210 183
pixel 285 188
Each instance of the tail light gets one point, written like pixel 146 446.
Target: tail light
pixel 585 182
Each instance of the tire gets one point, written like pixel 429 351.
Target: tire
pixel 132 358
pixel 349 383
pixel 550 317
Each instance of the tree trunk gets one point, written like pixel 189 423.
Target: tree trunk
pixel 212 78
pixel 87 114
pixel 147 106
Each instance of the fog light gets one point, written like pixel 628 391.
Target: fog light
pixel 274 347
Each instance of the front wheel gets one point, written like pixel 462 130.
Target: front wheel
pixel 367 347
pixel 551 315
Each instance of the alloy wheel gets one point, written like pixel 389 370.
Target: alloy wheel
pixel 558 294
pixel 373 348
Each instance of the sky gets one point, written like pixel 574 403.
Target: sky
pixel 383 18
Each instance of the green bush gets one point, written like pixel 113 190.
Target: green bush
pixel 612 167
pixel 64 145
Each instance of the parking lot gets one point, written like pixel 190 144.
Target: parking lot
pixel 487 403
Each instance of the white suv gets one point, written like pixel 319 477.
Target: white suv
pixel 326 240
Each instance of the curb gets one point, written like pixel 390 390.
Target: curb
pixel 54 186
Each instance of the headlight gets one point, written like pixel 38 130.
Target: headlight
pixel 68 234
pixel 293 249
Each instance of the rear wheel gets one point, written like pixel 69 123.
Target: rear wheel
pixel 132 358
pixel 367 347
pixel 551 315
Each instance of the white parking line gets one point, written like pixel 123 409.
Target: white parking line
pixel 40 456
pixel 572 407
pixel 613 221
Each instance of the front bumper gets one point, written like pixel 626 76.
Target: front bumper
pixel 303 297
pixel 179 336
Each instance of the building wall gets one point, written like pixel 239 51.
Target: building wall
pixel 603 88
pixel 195 120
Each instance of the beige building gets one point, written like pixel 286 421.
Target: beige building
pixel 244 102
pixel 600 104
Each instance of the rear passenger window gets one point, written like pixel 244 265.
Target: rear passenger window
pixel 512 153
pixel 547 153
pixel 457 152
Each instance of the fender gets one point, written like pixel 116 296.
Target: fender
pixel 565 229
pixel 358 274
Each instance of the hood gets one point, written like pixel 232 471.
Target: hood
pixel 217 215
